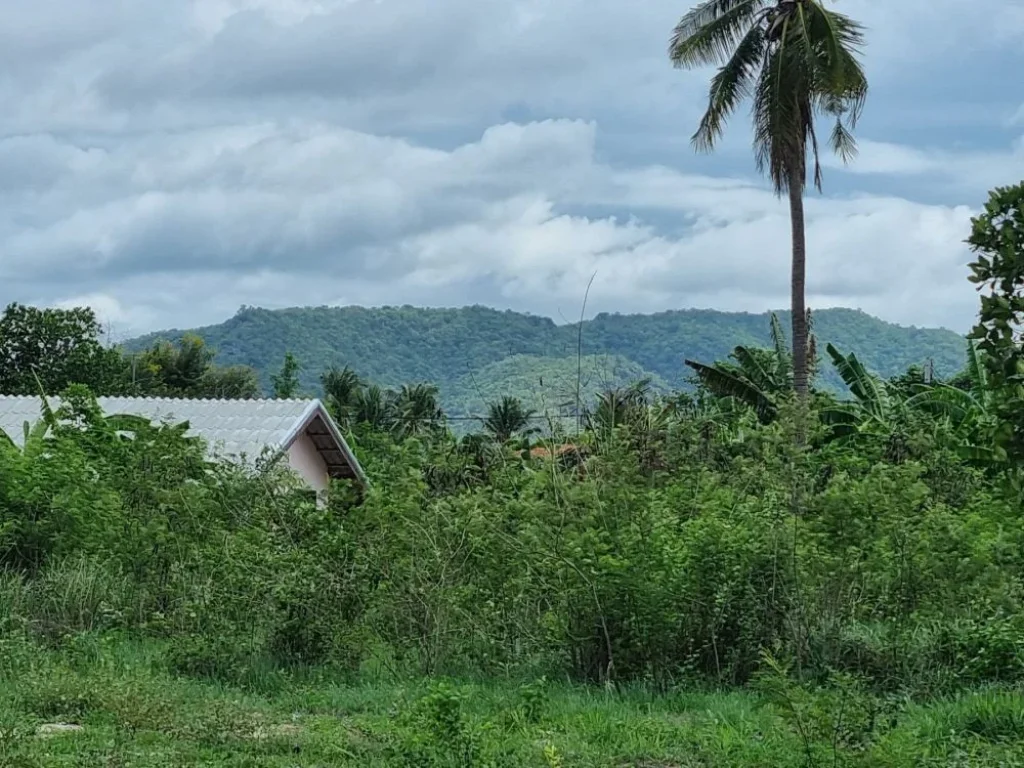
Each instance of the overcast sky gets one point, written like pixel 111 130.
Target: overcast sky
pixel 167 161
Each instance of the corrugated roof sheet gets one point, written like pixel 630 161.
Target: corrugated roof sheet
pixel 231 428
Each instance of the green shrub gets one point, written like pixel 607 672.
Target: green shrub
pixel 672 555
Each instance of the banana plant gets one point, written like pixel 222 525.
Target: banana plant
pixel 964 407
pixel 876 410
pixel 33 436
pixel 969 410
pixel 873 408
pixel 32 439
pixel 757 377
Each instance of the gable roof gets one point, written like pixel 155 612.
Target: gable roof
pixel 230 428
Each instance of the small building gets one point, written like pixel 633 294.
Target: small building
pixel 300 432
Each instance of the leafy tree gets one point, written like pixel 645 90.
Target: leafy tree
pixel 413 410
pixel 59 346
pixel 186 369
pixel 173 369
pixel 232 382
pixel 997 237
pixel 507 418
pixel 286 381
pixel 352 402
pixel 796 59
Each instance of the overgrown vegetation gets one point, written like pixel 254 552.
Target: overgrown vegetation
pixel 864 590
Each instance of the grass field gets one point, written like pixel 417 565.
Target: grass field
pixel 105 702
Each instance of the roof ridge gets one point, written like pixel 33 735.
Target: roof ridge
pixel 171 399
pixel 167 399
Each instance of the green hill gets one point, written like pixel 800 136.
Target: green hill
pixel 458 349
pixel 547 384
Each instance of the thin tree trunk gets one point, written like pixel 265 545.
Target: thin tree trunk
pixel 798 285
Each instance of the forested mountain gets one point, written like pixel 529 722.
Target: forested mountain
pixel 474 350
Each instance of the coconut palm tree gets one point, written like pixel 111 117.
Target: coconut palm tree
pixel 342 388
pixel 796 60
pixel 416 411
pixel 619 406
pixel 507 418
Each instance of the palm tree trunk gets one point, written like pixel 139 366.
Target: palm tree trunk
pixel 798 285
pixel 798 280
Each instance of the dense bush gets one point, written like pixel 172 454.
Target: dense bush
pixel 681 548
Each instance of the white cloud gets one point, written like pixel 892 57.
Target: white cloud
pixel 281 152
pixel 301 214
pixel 973 170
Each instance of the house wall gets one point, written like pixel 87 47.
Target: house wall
pixel 305 460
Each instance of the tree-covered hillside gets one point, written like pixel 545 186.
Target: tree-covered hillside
pixel 547 385
pixel 454 347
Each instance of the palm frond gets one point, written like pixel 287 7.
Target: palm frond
pixel 725 384
pixel 839 83
pixel 780 115
pixel 732 83
pixel 833 42
pixel 708 14
pixel 711 37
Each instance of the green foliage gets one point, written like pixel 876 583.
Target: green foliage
pixel 868 587
pixel 997 237
pixel 664 550
pixel 508 418
pixel 118 704
pixel 456 348
pixel 286 381
pixel 186 369
pixel 411 411
pixel 759 378
pixel 57 347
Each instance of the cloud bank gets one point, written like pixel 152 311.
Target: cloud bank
pixel 167 162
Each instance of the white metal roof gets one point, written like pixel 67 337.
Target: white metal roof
pixel 230 428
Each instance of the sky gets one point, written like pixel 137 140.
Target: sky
pixel 168 161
